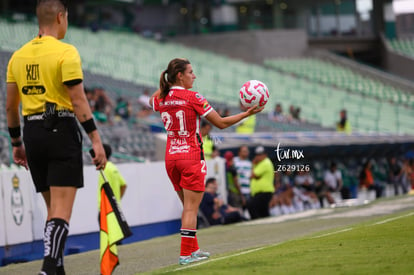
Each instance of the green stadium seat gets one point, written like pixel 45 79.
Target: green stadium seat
pixel 320 88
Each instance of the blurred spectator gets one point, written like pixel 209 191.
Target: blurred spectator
pixel 294 114
pixel 305 184
pixel 144 112
pixel 349 184
pixel 333 178
pixel 395 171
pixel 235 197
pixel 277 114
pixel 244 170
pixel 411 163
pixel 367 181
pixel 262 184
pixel 90 96
pixel 400 175
pixel 208 143
pixel 334 183
pixel 215 153
pixel 343 124
pixel 282 199
pixel 406 176
pixel 144 98
pixel 247 125
pixel 103 105
pixel 214 209
pixel 123 108
pixel 323 190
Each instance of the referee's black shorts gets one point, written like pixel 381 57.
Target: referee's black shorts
pixel 54 155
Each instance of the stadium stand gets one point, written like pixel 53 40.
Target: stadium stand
pixel 403 46
pixel 341 77
pixel 320 89
pixel 371 104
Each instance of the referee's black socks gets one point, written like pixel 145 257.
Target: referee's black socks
pixel 54 239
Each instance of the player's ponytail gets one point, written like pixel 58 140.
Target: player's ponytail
pixel 164 87
pixel 169 76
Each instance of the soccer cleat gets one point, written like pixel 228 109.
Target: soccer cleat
pixel 201 254
pixel 190 259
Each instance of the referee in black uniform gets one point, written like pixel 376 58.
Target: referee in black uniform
pixel 45 76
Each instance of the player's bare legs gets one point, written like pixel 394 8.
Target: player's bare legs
pixel 192 200
pixel 181 196
pixel 189 245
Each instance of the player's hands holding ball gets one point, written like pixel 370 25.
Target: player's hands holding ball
pixel 254 110
pixel 254 96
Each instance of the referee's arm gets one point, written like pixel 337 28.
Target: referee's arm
pixel 12 107
pixel 83 113
pixel 13 122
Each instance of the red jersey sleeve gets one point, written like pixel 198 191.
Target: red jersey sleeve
pixel 200 104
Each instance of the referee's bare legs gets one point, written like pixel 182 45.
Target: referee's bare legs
pixel 59 202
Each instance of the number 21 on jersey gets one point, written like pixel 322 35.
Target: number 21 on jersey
pixel 168 123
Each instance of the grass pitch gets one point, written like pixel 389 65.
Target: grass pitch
pixel 376 238
pixel 380 246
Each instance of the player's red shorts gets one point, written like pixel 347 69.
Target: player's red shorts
pixel 187 174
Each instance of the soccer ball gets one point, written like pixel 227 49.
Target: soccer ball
pixel 254 92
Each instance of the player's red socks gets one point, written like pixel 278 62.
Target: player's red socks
pixel 195 244
pixel 188 241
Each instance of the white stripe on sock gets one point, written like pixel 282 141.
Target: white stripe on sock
pixel 55 245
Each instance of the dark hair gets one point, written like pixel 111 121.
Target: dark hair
pixel 63 2
pixel 342 121
pixel 169 76
pixel 46 10
pixel 205 123
pixel 210 180
pixel 366 163
pixel 108 150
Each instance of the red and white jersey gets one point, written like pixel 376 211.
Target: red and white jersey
pixel 180 112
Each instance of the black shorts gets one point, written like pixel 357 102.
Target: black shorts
pixel 54 155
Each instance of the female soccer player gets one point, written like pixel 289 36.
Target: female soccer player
pixel 180 111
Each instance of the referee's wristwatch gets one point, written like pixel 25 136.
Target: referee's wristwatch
pixel 16 143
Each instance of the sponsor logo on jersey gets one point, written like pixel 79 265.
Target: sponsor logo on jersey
pixel 173 103
pixel 199 97
pixel 33 90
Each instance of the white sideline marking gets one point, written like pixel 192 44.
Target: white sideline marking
pixel 263 247
pixel 225 257
pixel 252 250
pixel 332 233
pixel 393 219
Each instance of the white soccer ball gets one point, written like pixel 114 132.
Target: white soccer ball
pixel 254 92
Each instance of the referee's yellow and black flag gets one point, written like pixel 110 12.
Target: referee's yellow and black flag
pixel 113 228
